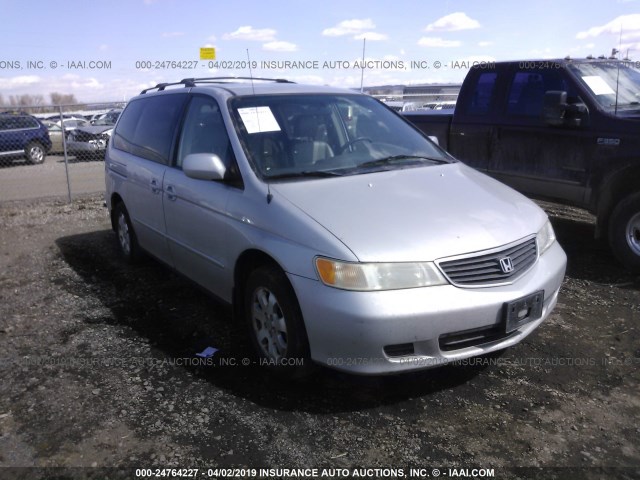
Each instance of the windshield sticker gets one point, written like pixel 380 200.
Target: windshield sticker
pixel 597 85
pixel 259 119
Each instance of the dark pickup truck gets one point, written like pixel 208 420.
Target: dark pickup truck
pixel 565 130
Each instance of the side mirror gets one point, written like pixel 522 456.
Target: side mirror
pixel 203 166
pixel 554 107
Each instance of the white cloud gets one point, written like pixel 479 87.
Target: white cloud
pixel 373 36
pixel 630 35
pixel 628 23
pixel 630 47
pixel 438 42
pixel 172 34
pixel 485 44
pixel 349 27
pixel 453 22
pixel 250 33
pixel 103 48
pixel 278 46
pixel 19 82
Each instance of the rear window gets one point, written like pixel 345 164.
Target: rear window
pixel 148 125
pixel 481 100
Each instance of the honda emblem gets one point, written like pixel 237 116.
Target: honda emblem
pixel 506 265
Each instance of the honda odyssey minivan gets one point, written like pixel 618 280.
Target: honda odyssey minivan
pixel 340 234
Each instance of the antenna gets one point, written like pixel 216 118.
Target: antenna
pixel 364 42
pixel 613 53
pixel 253 89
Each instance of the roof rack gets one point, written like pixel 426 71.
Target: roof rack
pixel 191 82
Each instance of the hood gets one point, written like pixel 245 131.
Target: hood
pixel 95 129
pixel 416 214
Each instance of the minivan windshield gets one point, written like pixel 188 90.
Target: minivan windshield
pixel 325 135
pixel 610 79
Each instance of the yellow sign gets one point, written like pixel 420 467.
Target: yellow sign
pixel 207 53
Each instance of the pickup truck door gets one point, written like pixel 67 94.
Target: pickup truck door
pixel 531 156
pixel 470 136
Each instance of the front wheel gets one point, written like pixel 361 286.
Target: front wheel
pixel 35 153
pixel 127 240
pixel 275 323
pixel 624 232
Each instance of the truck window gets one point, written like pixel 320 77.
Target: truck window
pixel 526 95
pixel 481 100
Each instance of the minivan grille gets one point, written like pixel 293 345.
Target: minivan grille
pixel 491 268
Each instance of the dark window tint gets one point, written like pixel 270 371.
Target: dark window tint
pixel 15 123
pixel 148 126
pixel 526 95
pixel 481 100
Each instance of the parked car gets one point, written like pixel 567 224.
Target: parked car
pixel 23 136
pixel 445 105
pixel 55 135
pixel 108 118
pixel 566 130
pixel 73 123
pixel 89 142
pixel 336 230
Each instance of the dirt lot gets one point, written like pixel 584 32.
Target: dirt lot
pixel 97 367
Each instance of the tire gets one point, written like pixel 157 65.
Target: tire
pixel 127 241
pixel 275 323
pixel 35 153
pixel 624 232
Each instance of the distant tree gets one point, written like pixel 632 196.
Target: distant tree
pixel 25 100
pixel 63 98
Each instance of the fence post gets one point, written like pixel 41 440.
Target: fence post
pixel 66 159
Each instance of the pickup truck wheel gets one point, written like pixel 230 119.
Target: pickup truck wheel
pixel 275 323
pixel 127 240
pixel 624 232
pixel 35 153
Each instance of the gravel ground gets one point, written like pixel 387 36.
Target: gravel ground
pixel 98 369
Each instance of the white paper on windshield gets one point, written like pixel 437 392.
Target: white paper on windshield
pixel 597 85
pixel 258 119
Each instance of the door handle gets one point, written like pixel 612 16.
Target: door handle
pixel 171 193
pixel 155 186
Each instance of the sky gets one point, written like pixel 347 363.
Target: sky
pixel 110 50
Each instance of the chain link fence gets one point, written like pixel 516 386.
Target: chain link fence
pixel 54 150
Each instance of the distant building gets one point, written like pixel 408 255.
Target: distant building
pixel 417 95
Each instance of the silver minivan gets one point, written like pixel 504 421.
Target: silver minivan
pixel 340 234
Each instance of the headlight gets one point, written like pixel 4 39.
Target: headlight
pixel 546 237
pixel 377 276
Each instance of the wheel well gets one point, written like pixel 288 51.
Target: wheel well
pixel 612 191
pixel 115 200
pixel 246 263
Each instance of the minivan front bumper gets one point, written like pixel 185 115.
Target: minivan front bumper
pixel 412 329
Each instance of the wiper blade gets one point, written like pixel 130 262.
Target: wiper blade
pixel 306 173
pixel 396 159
